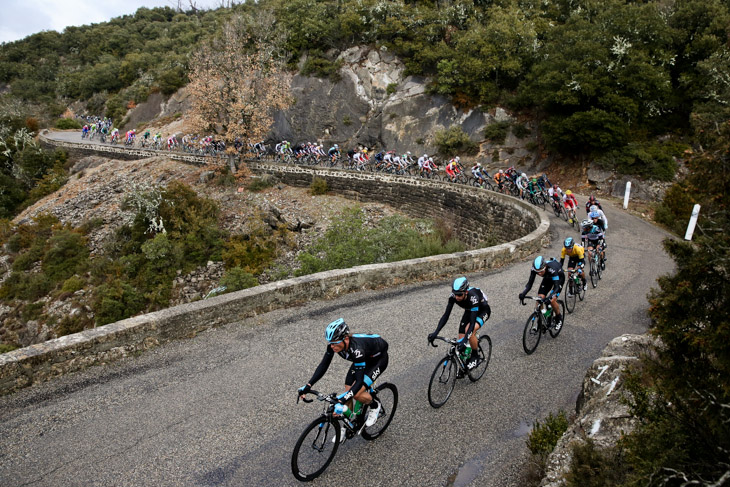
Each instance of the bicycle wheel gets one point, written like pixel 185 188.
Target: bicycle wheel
pixel 387 395
pixel 594 276
pixel 485 353
pixel 599 267
pixel 532 333
pixel 315 448
pixel 442 382
pixel 563 213
pixel 554 332
pixel 581 291
pixel 570 297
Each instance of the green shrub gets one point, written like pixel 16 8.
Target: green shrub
pixel 236 279
pixel 594 467
pixel 7 347
pixel 73 324
pixel 73 284
pixel 318 186
pixel 454 141
pixel 348 242
pixel 67 255
pixel 496 132
pixel 545 435
pixel 260 183
pixel 391 88
pixel 520 130
pixel 346 121
pixel 67 124
pixel 318 65
pixel 649 159
pixel 116 300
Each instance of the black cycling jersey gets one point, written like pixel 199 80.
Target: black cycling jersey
pixel 363 350
pixel 475 306
pixel 589 204
pixel 552 281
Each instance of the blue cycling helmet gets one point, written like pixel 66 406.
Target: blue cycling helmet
pixel 538 264
pixel 569 242
pixel 461 285
pixel 594 214
pixel 336 331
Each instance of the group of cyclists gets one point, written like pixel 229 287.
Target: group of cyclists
pixel 369 353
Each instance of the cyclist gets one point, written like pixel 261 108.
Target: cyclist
pixel 499 179
pixel 570 202
pixel 452 168
pixel 476 312
pixel 576 258
pixel 556 194
pixel 592 201
pixel 521 183
pixel 553 279
pixel 334 152
pixel 601 216
pixel 592 236
pixel 369 357
pixel 476 171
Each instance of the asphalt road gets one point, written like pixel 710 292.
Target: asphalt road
pixel 219 409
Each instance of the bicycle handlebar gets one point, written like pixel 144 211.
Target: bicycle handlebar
pixel 320 397
pixel 452 341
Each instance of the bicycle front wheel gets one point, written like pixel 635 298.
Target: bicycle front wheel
pixel 554 332
pixel 442 382
pixel 594 275
pixel 387 395
pixel 485 353
pixel 315 448
pixel 571 296
pixel 531 335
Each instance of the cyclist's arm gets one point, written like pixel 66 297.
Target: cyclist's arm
pixel 446 315
pixel 529 283
pixel 323 366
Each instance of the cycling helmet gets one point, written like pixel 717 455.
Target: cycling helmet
pixel 586 223
pixel 524 175
pixel 592 198
pixel 568 192
pixel 594 214
pixel 336 331
pixel 425 155
pixel 568 243
pixel 337 146
pixel 538 264
pixel 555 186
pixel 461 285
pixel 457 159
pixel 409 153
pixel 594 208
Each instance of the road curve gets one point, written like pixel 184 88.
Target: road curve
pixel 219 409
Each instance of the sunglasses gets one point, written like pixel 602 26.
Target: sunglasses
pixel 335 343
pixel 459 294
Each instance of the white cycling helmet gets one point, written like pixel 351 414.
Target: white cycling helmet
pixel 594 208
pixel 524 175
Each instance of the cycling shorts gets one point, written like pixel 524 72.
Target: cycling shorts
pixel 574 261
pixel 466 318
pixel 372 371
pixel 547 285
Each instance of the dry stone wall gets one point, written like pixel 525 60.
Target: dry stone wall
pixel 474 212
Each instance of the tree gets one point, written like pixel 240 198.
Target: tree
pixel 237 80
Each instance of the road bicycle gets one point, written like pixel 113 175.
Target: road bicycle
pixel 452 367
pixel 536 199
pixel 483 183
pixel 597 265
pixel 540 321
pixel 571 216
pixel 574 289
pixel 318 443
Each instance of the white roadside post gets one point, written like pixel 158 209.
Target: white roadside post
pixel 626 195
pixel 692 222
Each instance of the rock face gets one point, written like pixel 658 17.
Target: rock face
pixel 601 414
pixel 375 105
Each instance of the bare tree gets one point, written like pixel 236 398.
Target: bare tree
pixel 238 80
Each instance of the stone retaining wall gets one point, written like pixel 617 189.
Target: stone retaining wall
pixel 475 213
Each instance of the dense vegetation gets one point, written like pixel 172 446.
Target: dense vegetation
pixel 607 77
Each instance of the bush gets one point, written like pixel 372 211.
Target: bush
pixel 454 141
pixel 317 65
pixel 496 133
pixel 649 159
pixel 348 243
pixel 520 130
pixel 67 124
pixel 318 186
pixel 260 183
pixel 236 279
pixel 7 347
pixel 544 436
pixel 116 300
pixel 593 467
pixel 72 284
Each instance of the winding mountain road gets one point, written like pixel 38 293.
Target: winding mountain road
pixel 219 409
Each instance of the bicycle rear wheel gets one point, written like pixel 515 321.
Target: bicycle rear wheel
pixel 570 297
pixel 599 268
pixel 581 290
pixel 485 353
pixel 315 448
pixel 554 332
pixel 532 333
pixel 387 395
pixel 442 382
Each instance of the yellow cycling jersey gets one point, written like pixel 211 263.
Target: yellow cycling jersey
pixel 577 251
